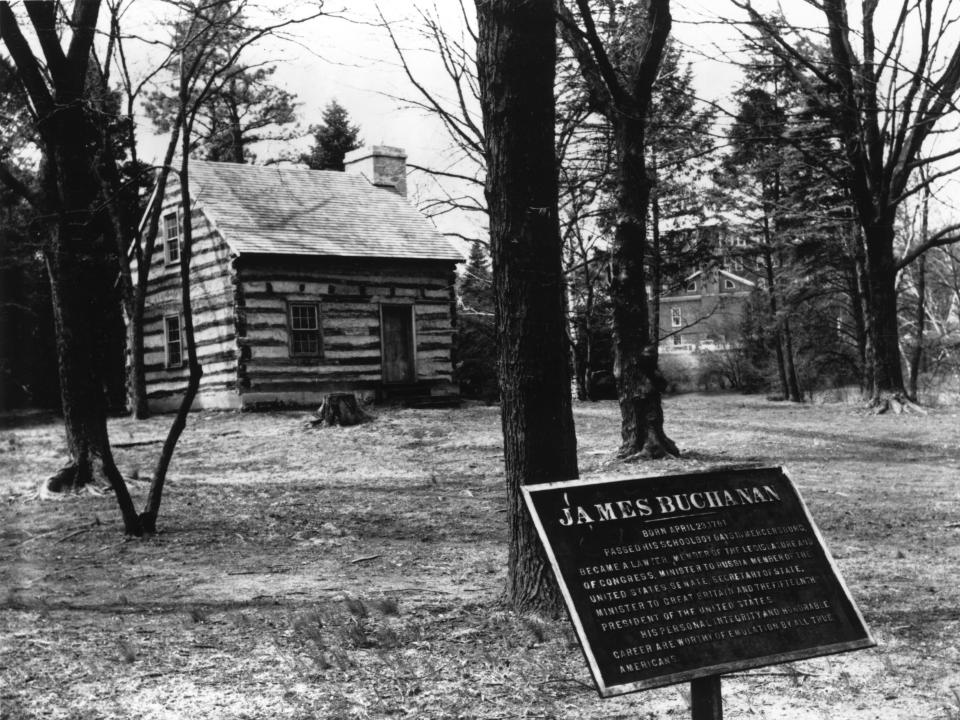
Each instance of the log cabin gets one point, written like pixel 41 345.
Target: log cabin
pixel 304 282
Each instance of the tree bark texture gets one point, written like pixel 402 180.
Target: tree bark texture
pixel 639 382
pixel 882 293
pixel 516 63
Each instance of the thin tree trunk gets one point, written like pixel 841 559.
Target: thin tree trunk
pixel 656 262
pixel 148 518
pixel 921 316
pixel 793 383
pixel 916 356
pixel 772 304
pixel 516 57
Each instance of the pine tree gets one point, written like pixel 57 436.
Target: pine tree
pixel 333 139
pixel 475 347
pixel 242 108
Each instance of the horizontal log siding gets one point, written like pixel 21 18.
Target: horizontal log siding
pixel 349 293
pixel 213 294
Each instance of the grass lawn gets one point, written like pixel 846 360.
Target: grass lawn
pixel 356 573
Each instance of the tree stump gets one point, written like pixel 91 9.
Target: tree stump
pixel 340 409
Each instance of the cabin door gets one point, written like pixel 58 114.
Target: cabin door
pixel 397 343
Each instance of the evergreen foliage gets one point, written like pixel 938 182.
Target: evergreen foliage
pixel 333 138
pixel 243 106
pixel 475 347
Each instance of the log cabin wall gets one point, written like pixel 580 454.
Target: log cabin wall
pixel 214 293
pixel 349 294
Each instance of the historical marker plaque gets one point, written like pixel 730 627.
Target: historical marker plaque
pixel 672 578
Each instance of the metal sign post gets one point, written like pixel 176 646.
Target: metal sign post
pixel 706 702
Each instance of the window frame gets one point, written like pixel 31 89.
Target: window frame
pixel 168 341
pixel 292 331
pixel 691 286
pixel 676 317
pixel 174 241
pixel 729 284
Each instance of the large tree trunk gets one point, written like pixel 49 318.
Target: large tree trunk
pixel 882 317
pixel 516 61
pixel 81 279
pixel 639 382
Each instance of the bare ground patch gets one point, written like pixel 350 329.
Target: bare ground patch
pixel 356 572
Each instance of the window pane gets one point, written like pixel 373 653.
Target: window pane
pixel 174 341
pixel 303 317
pixel 170 227
pixel 304 329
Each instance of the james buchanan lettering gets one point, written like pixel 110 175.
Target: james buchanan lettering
pixel 665 505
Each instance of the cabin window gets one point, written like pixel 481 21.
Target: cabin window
pixel 171 238
pixel 676 317
pixel 173 340
pixel 304 329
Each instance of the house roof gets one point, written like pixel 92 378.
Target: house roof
pixel 738 278
pixel 294 211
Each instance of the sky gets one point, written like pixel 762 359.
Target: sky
pixel 352 60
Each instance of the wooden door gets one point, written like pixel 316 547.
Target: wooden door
pixel 397 344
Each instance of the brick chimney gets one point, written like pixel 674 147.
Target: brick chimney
pixel 384 166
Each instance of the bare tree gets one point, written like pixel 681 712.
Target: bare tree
pixel 78 172
pixel 886 104
pixel 203 68
pixel 78 257
pixel 620 85
pixel 457 186
pixel 516 62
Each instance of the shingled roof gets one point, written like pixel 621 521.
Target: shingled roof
pixel 293 211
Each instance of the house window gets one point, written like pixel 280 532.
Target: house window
pixel 729 284
pixel 173 340
pixel 692 286
pixel 171 238
pixel 304 329
pixel 676 317
pixel 677 340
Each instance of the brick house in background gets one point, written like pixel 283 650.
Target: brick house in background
pixel 304 282
pixel 705 314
